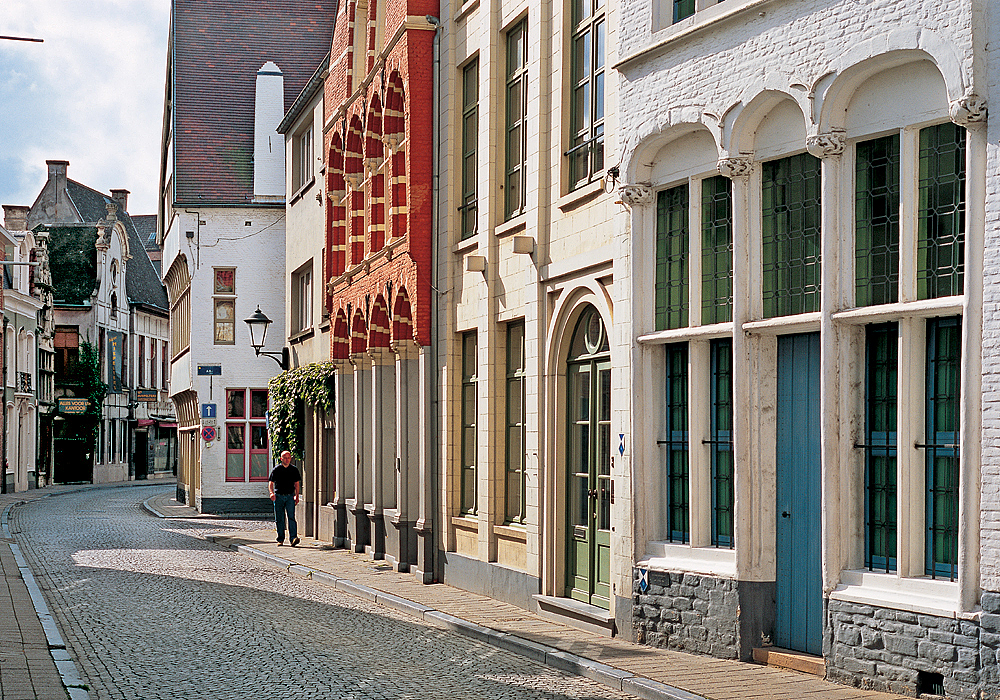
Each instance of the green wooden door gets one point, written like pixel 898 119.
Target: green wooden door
pixel 588 503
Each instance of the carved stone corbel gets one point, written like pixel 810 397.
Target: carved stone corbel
pixel 735 167
pixel 826 145
pixel 970 109
pixel 635 194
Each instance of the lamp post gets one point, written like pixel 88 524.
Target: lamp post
pixel 258 324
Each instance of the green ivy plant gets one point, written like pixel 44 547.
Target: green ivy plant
pixel 289 393
pixel 91 387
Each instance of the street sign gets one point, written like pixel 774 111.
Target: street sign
pixel 208 433
pixel 210 370
pixel 208 410
pixel 73 406
pixel 208 421
pixel 147 395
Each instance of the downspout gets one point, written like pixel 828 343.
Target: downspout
pixel 439 522
pixel 3 413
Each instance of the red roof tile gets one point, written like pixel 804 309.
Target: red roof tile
pixel 218 47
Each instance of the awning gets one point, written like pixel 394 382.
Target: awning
pixel 143 422
pixel 169 425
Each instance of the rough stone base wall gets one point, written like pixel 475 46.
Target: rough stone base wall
pixel 885 650
pixel 686 612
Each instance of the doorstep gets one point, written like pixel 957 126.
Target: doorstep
pixel 573 613
pixel 791 660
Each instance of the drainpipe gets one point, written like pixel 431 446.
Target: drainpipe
pixel 3 412
pixel 438 522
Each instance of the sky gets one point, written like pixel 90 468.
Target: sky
pixel 91 94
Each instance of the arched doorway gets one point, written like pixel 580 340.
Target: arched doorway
pixel 588 462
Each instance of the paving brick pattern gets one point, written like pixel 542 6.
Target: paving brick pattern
pixel 152 609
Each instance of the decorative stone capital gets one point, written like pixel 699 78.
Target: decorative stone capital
pixel 826 145
pixel 970 109
pixel 635 194
pixel 735 167
pixel 354 180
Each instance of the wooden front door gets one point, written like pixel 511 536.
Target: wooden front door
pixel 588 435
pixel 799 589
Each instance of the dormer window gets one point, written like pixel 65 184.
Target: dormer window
pixel 114 274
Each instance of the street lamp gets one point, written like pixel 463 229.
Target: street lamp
pixel 258 324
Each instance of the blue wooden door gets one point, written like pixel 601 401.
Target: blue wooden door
pixel 799 590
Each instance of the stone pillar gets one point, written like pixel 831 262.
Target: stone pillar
pixel 407 452
pixel 382 466
pixel 357 518
pixel 424 526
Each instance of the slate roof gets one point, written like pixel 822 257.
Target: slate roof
pixel 145 225
pixel 217 47
pixel 142 283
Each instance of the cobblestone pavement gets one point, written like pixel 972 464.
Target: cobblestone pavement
pixel 150 609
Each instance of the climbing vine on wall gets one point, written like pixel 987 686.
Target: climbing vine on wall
pixel 289 393
pixel 91 387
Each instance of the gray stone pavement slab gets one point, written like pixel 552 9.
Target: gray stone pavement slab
pixel 645 672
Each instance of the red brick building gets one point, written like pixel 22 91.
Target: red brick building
pixel 378 159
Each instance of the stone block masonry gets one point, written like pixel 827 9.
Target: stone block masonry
pixel 687 612
pixel 900 652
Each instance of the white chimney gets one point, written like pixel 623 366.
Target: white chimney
pixel 268 144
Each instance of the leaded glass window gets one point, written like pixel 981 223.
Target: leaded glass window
pixel 516 118
pixel 470 151
pixel 515 457
pixel 672 243
pixel 881 374
pixel 586 153
pixel 791 235
pixel 682 9
pixel 676 443
pixel 716 250
pixel 941 212
pixel 944 352
pixel 721 442
pixel 877 221
pixel 468 503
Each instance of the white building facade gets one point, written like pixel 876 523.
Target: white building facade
pixel 803 259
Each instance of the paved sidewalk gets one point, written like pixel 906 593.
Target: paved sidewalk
pixel 34 662
pixel 656 674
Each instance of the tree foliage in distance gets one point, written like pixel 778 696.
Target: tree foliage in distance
pixel 289 393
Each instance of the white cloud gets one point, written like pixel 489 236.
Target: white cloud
pixel 91 94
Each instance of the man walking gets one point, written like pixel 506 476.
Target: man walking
pixel 284 484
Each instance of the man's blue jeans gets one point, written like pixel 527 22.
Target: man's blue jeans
pixel 284 504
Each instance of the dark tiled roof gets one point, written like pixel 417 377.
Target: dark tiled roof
pixel 217 48
pixel 145 225
pixel 142 284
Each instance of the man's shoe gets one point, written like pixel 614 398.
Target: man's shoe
pixel 295 541
pixel 280 541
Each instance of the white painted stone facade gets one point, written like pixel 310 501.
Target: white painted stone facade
pixel 734 86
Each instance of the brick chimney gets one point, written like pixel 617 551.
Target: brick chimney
pixel 57 173
pixel 121 196
pixel 15 217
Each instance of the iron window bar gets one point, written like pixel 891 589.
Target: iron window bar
pixel 586 144
pixel 953 446
pixel 716 442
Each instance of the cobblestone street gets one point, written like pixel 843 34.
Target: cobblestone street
pixel 150 609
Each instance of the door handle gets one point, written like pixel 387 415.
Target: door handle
pixel 592 493
pixel 785 514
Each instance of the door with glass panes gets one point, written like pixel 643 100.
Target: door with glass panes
pixel 588 449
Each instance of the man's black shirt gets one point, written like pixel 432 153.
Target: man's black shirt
pixel 284 479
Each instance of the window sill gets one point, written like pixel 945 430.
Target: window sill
pixel 511 532
pixel 946 306
pixel 670 34
pixel 581 195
pixel 464 246
pixel 518 223
pixel 300 336
pixel 465 522
pixel 799 323
pixel 919 595
pixel 465 9
pixel 709 561
pixel 302 190
pixel 715 330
